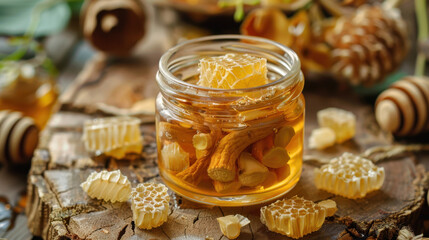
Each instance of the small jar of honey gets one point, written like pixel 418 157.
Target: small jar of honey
pixel 27 85
pixel 230 120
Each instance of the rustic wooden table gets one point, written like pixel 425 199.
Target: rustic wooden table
pixel 58 209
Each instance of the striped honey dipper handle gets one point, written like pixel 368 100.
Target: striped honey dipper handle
pixel 403 109
pixel 19 137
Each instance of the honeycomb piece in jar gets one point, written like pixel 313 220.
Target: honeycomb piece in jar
pixel 108 186
pixel 149 203
pixel 233 71
pixel 174 158
pixel 322 138
pixel 231 225
pixel 341 121
pixel 349 176
pixel 113 136
pixel 294 217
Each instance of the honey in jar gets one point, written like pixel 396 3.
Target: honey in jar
pixel 230 120
pixel 25 86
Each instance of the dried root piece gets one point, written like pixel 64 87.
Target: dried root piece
pixel 178 133
pixel 149 202
pixel 113 136
pixel 197 172
pixel 271 179
pixel 230 225
pixel 284 136
pixel 202 141
pixel 276 157
pixel 251 171
pixel 226 187
pixel 259 148
pixel 107 186
pixel 341 121
pixel 349 176
pixel 322 138
pixel 174 158
pixel 223 163
pixel 294 217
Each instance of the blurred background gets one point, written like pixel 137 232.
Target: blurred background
pixel 50 48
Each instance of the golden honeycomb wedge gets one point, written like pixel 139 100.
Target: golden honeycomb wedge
pixel 113 136
pixel 233 71
pixel 321 138
pixel 294 217
pixel 149 203
pixel 349 176
pixel 341 121
pixel 107 186
pixel 231 225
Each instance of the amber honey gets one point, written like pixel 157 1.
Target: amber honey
pixel 33 96
pixel 230 147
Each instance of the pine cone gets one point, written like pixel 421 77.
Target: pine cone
pixel 368 46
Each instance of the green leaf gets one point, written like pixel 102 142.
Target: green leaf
pixel 239 13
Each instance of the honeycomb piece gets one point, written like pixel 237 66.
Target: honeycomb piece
pixel 113 136
pixel 149 202
pixel 294 217
pixel 233 71
pixel 230 225
pixel 349 176
pixel 322 138
pixel 330 206
pixel 342 122
pixel 174 158
pixel 107 186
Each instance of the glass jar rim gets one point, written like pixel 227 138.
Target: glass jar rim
pixel 295 64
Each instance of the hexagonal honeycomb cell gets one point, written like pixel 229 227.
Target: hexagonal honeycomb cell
pixel 233 71
pixel 149 202
pixel 349 176
pixel 113 136
pixel 341 121
pixel 107 186
pixel 294 217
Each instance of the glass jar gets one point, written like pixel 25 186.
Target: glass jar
pixel 28 86
pixel 230 147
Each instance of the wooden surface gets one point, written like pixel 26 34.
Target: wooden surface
pixel 72 58
pixel 59 209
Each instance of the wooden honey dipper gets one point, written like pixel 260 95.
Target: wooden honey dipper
pixel 18 138
pixel 403 109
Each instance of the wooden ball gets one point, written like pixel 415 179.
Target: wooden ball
pixel 114 26
pixel 19 137
pixel 403 109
